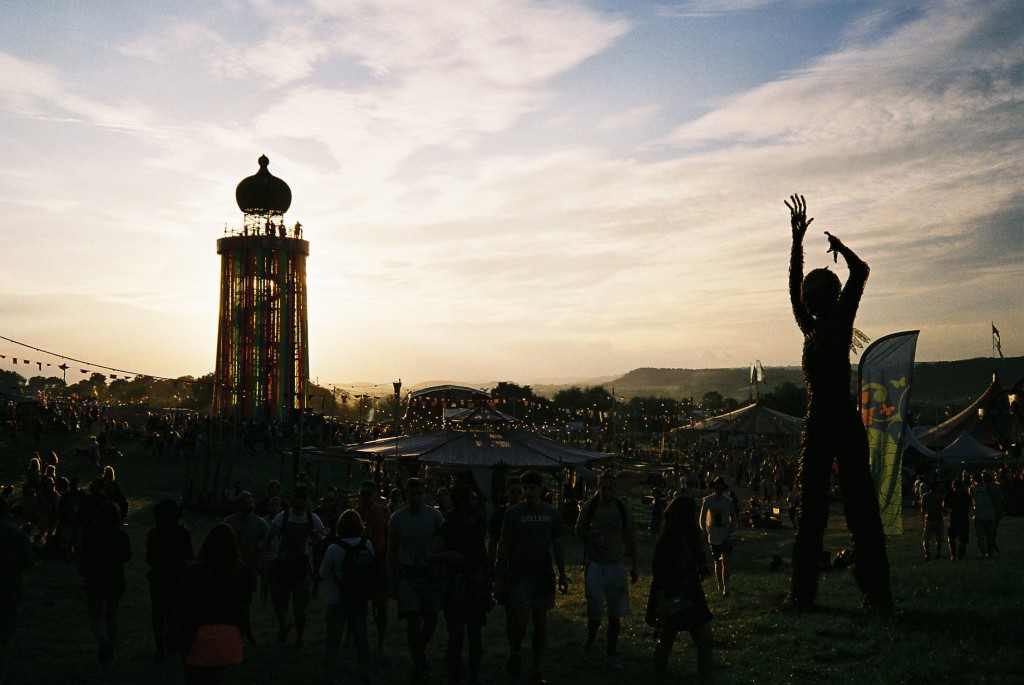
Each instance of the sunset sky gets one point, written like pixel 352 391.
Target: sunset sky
pixel 511 190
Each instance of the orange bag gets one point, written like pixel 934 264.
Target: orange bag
pixel 218 644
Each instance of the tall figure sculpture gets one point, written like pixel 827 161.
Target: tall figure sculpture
pixel 833 429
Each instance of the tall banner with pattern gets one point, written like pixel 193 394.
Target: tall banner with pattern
pixel 885 373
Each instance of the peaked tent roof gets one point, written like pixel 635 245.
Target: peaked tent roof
pixel 753 419
pixel 965 448
pixel 516 448
pixel 970 421
pixel 481 415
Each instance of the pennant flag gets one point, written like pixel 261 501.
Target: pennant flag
pixel 885 373
pixel 996 342
pixel 753 375
pixel 759 372
pixel 63 367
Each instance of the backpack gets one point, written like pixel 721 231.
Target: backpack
pixel 356 572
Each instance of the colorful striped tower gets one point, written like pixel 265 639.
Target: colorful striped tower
pixel 262 337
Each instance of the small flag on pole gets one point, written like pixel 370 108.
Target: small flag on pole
pixel 997 344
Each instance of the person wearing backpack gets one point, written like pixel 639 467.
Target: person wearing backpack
pixel 609 535
pixel 348 567
pixel 292 582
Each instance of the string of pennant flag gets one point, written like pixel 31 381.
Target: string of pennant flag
pixel 89 367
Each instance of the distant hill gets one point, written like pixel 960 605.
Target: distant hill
pixel 953 382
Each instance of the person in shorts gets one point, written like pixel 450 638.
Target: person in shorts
pixel 718 521
pixel 531 531
pixel 413 581
pixel 608 532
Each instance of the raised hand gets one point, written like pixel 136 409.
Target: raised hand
pixel 834 246
pixel 798 215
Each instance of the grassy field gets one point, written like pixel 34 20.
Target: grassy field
pixel 956 622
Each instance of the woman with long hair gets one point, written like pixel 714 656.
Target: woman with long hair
pixel 215 594
pixel 347 567
pixel 676 601
pixel 105 550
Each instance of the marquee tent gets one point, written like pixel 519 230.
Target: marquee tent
pixel 516 449
pixel 966 448
pixel 986 419
pixel 754 419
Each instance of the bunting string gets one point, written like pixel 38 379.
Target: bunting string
pixel 125 374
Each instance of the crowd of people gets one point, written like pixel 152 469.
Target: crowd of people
pixel 433 553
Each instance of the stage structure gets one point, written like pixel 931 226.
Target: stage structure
pixel 262 336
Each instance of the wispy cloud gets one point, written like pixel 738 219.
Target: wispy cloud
pixel 449 192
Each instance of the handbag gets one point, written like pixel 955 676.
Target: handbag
pixel 217 644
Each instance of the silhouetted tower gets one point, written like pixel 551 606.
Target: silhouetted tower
pixel 262 338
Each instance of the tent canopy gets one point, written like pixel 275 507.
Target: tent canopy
pixel 754 419
pixel 966 448
pixel 983 420
pixel 515 448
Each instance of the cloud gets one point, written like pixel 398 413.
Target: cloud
pixel 459 213
pixel 709 8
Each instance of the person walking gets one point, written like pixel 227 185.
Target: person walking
pixel 16 555
pixel 609 535
pixel 297 527
pixel 348 568
pixel 984 510
pixel 105 551
pixel 513 494
pixel 168 553
pixel 531 531
pixel 676 601
pixel 718 521
pixel 375 516
pixel 957 503
pixel 215 597
pixel 467 591
pixel 412 578
pixel 250 530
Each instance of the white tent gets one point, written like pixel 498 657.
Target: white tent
pixel 966 448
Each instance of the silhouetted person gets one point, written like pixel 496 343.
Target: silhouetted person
pixel 676 601
pixel 467 590
pixel 105 551
pixel 168 552
pixel 825 313
pixel 215 598
pixel 15 556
